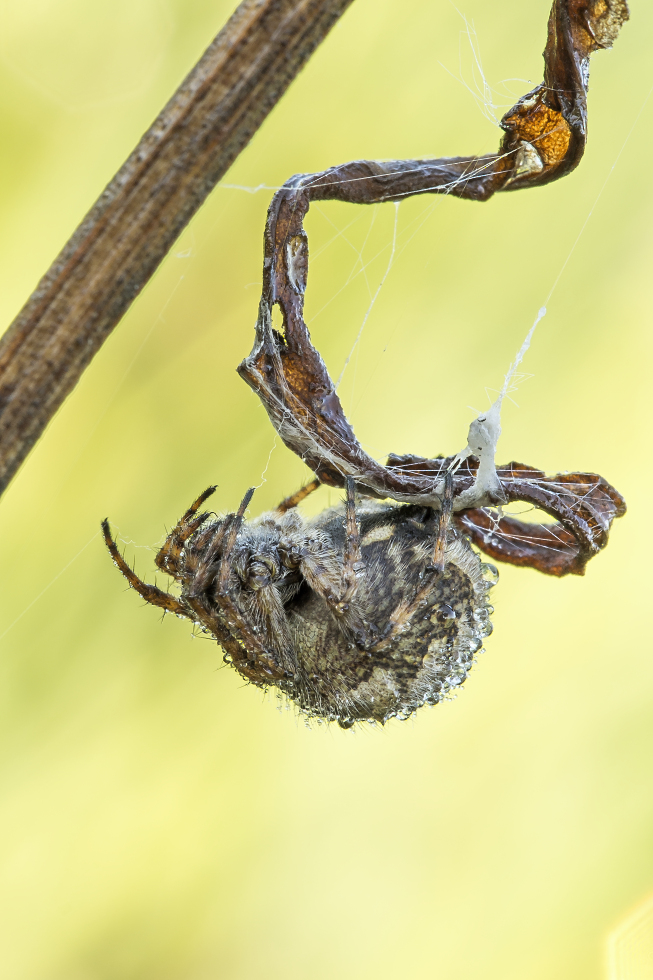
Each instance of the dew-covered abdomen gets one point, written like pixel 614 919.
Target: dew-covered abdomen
pixel 420 665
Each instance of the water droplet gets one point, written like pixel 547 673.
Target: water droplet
pixel 444 615
pixel 490 573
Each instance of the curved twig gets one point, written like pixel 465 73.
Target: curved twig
pixel 544 138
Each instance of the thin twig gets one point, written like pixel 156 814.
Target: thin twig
pixel 118 246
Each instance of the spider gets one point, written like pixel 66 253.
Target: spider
pixel 376 607
pixel 364 613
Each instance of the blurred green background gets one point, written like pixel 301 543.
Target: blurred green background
pixel 162 821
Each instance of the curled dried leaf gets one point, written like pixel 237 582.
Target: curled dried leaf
pixel 544 139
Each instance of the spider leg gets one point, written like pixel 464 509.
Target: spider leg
pixel 352 558
pixel 403 614
pixel 234 528
pixel 296 498
pixel 266 609
pixel 337 583
pixel 168 556
pixel 256 671
pixel 444 518
pixel 244 633
pixel 150 593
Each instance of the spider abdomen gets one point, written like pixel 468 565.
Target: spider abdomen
pixel 422 663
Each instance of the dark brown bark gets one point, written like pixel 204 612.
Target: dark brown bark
pixel 122 240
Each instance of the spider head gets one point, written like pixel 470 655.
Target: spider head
pixel 259 570
pixel 256 559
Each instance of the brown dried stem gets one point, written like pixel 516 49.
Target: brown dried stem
pixel 544 139
pixel 118 246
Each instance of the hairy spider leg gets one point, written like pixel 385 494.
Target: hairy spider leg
pixel 266 607
pixel 169 554
pixel 234 651
pixel 243 632
pixel 402 615
pixel 353 563
pixel 444 518
pixel 296 498
pixel 204 574
pixel 265 604
pixel 150 593
pixel 336 581
pixel 235 527
pixel 199 608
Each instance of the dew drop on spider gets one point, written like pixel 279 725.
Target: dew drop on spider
pixel 490 573
pixel 444 615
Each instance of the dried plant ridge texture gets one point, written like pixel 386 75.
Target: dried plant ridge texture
pixel 379 606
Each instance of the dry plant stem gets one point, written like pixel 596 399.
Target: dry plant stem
pixel 544 138
pixel 207 123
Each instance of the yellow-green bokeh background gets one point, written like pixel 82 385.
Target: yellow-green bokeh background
pixel 159 819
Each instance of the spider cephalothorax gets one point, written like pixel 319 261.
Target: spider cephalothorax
pixel 358 614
